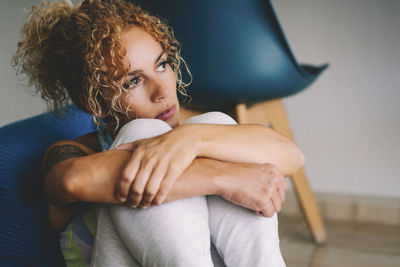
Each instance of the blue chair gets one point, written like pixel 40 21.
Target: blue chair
pixel 25 235
pixel 241 62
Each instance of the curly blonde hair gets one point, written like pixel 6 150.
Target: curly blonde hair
pixel 75 54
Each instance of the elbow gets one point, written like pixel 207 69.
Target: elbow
pixel 69 188
pixel 293 160
pixel 61 184
pixel 70 183
pixel 298 158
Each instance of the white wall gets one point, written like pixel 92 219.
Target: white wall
pixel 347 122
pixel 16 102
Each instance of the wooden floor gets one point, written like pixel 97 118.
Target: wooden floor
pixel 349 245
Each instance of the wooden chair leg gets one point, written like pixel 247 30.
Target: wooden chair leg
pixel 273 111
pixel 241 113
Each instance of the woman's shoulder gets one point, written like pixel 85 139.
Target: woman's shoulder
pixel 88 143
pixel 90 140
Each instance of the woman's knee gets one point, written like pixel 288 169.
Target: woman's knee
pixel 140 129
pixel 181 226
pixel 244 222
pixel 214 117
pixel 180 210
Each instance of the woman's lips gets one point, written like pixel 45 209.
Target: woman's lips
pixel 166 114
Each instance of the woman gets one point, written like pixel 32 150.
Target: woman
pixel 205 180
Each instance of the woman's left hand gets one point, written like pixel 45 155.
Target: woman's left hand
pixel 155 165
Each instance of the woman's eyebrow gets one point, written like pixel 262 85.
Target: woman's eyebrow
pixel 133 73
pixel 158 58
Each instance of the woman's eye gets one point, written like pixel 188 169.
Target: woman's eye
pixel 162 65
pixel 132 83
pixel 135 81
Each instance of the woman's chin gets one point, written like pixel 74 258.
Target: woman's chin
pixel 174 121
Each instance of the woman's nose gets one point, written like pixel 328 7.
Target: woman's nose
pixel 159 90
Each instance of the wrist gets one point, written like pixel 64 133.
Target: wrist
pixel 222 180
pixel 198 139
pixel 201 139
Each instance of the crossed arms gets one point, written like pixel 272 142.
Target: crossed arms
pixel 245 164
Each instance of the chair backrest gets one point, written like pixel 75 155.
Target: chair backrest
pixel 235 49
pixel 25 236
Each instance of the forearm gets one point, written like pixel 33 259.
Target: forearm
pixel 202 177
pixel 250 143
pixel 95 177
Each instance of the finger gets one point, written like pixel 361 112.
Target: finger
pixel 285 184
pixel 281 192
pixel 153 185
pixel 166 185
pixel 260 213
pixel 128 146
pixel 267 209
pixel 138 185
pixel 128 175
pixel 276 201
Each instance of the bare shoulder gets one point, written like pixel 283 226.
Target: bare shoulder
pixel 90 140
pixel 66 149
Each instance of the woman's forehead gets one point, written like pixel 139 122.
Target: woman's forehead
pixel 141 47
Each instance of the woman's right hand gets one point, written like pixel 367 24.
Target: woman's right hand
pixel 156 164
pixel 259 187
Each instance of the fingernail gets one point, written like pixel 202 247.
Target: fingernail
pixel 121 198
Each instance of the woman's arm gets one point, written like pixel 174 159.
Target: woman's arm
pixel 235 143
pixel 248 143
pixel 92 178
pixel 157 162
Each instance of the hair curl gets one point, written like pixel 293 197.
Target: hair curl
pixel 75 54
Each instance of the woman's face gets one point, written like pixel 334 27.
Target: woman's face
pixel 152 88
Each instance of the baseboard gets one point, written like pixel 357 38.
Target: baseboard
pixel 351 208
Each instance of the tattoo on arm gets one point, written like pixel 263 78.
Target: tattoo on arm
pixel 60 153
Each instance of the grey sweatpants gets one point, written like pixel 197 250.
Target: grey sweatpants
pixel 198 231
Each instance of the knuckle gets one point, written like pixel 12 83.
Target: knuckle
pixel 174 167
pixel 136 191
pixel 158 200
pixel 273 170
pixel 150 193
pixel 286 185
pixel 150 159
pixel 163 191
pixel 275 181
pixel 131 203
pixel 269 191
pixel 126 178
pixel 265 167
pixel 138 153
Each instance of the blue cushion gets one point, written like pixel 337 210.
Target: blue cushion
pixel 25 236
